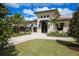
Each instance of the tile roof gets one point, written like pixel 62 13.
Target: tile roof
pixel 64 18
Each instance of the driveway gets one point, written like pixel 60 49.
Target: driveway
pixel 20 39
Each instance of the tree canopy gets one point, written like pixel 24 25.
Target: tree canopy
pixel 5 26
pixel 3 11
pixel 74 25
pixel 17 18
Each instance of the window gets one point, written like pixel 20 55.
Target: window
pixel 47 16
pixel 60 26
pixel 41 16
pixel 44 16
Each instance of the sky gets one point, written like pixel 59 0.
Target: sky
pixel 27 9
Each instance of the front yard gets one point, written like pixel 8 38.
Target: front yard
pixel 43 47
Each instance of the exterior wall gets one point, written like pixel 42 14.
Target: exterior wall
pixel 52 15
pixel 32 24
pixel 51 27
pixel 38 28
pixel 66 25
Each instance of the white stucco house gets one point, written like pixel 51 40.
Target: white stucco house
pixel 43 25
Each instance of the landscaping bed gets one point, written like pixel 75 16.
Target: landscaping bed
pixel 58 34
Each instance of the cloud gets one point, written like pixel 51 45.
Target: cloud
pixel 14 5
pixel 28 11
pixel 41 9
pixel 65 12
pixel 53 8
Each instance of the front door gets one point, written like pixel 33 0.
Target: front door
pixel 44 27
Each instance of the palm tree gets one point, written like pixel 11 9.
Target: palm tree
pixel 18 20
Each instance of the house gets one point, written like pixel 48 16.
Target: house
pixel 32 25
pixel 63 23
pixel 44 26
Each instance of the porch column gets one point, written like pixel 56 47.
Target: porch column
pixel 38 29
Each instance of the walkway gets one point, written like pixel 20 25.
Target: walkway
pixel 20 39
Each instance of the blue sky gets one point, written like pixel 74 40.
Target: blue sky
pixel 27 9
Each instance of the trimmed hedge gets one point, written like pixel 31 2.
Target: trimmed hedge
pixel 58 34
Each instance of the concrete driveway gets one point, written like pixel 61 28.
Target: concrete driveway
pixel 20 39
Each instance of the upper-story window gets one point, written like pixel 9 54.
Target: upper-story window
pixel 44 16
pixel 47 16
pixel 41 16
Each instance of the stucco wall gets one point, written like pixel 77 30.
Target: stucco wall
pixel 51 27
pixel 53 15
pixel 66 25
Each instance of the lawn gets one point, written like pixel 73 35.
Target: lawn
pixel 41 48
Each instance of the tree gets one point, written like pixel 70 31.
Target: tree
pixel 3 11
pixel 53 21
pixel 18 20
pixel 74 25
pixel 5 26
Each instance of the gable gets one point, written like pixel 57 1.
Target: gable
pixel 48 14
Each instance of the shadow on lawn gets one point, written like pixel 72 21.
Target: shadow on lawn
pixel 9 51
pixel 70 45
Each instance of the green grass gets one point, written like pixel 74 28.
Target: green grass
pixel 40 48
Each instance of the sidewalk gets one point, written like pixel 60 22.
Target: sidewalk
pixel 20 39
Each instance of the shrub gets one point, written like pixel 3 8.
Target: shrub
pixel 74 25
pixel 5 26
pixel 58 34
pixel 21 33
pixel 5 33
